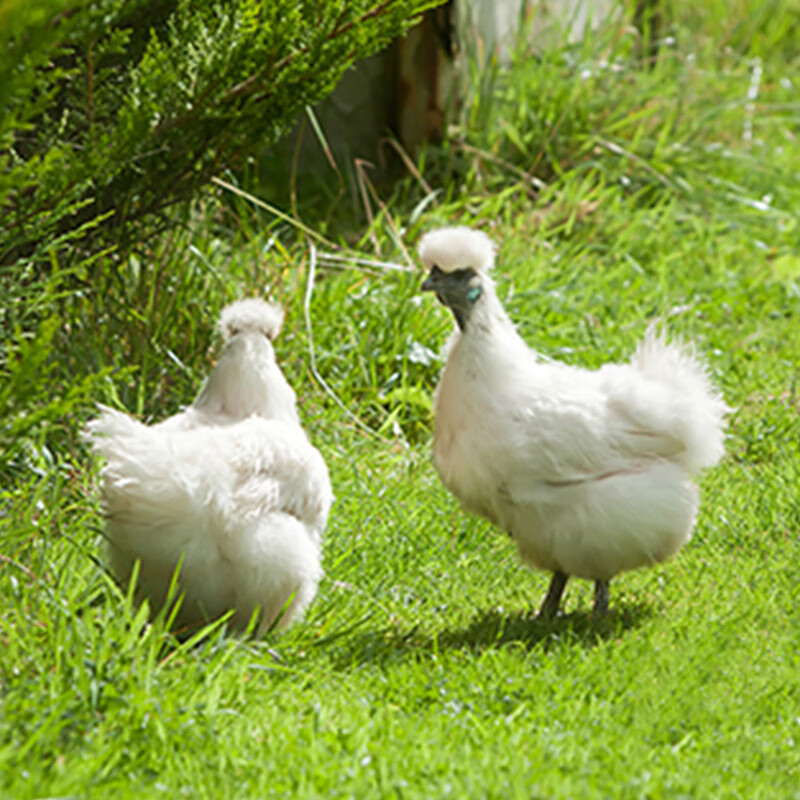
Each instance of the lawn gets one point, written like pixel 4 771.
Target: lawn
pixel 620 190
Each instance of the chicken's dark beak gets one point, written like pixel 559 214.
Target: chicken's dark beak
pixel 434 283
pixel 434 280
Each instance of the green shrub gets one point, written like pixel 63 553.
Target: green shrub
pixel 116 110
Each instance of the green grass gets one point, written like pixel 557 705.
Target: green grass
pixel 419 671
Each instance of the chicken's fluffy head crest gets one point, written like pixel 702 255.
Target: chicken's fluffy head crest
pixel 452 249
pixel 251 316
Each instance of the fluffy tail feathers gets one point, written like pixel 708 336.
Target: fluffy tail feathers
pixel 696 408
pixel 144 473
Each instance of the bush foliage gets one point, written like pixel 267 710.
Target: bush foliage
pixel 115 110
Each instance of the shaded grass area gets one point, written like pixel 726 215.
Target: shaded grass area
pixel 419 671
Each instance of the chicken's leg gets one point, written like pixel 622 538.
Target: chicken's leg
pixel 553 599
pixel 600 598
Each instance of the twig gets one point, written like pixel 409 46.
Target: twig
pixel 362 188
pixel 19 566
pixel 535 182
pixel 312 270
pixel 410 166
pixel 363 262
pixel 323 142
pixel 385 211
pixel 276 211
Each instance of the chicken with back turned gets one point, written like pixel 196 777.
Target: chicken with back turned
pixel 229 494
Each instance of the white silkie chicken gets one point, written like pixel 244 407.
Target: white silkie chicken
pixel 229 492
pixel 588 471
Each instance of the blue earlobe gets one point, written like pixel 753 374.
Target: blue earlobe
pixel 474 293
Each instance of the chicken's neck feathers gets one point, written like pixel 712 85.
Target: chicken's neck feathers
pixel 246 382
pixel 490 347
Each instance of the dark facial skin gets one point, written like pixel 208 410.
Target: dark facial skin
pixel 454 291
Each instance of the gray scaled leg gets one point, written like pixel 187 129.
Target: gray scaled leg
pixel 600 598
pixel 553 598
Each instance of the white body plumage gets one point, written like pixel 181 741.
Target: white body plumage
pixel 229 489
pixel 589 471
